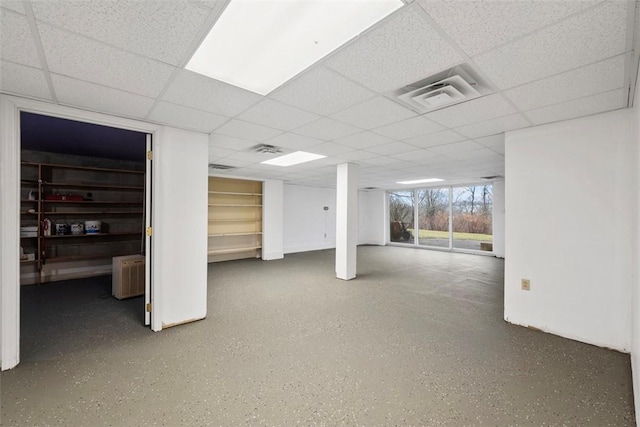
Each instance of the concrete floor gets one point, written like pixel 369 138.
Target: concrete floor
pixel 417 339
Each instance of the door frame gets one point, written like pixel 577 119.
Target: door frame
pixel 10 109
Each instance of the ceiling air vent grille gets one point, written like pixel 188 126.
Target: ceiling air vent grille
pixel 266 149
pixel 444 89
pixel 220 167
pixel 491 178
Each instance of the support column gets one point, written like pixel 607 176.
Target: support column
pixel 346 221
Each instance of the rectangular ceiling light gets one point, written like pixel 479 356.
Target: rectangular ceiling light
pixel 259 45
pixel 293 159
pixel 420 181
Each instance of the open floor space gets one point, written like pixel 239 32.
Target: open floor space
pixel 417 339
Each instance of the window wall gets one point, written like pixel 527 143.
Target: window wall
pixel 401 215
pixel 433 217
pixel 459 218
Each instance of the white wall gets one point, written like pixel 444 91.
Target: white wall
pixel 498 218
pixel 570 203
pixel 635 288
pixel 307 226
pixel 179 193
pixel 272 219
pixel 180 170
pixel 372 213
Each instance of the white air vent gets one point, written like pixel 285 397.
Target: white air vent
pixel 444 89
pixel 266 149
pixel 220 167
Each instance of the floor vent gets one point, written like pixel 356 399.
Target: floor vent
pixel 444 89
pixel 220 167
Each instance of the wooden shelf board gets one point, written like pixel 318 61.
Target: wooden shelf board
pixel 233 205
pixel 87 168
pixel 28 237
pixel 234 220
pixel 92 186
pixel 59 236
pixel 253 233
pixel 87 257
pixel 75 213
pixel 25 262
pixel 231 193
pixel 90 202
pixel 233 250
pixel 28 201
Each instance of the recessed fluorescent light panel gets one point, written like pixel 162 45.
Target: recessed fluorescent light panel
pixel 420 181
pixel 293 159
pixel 260 44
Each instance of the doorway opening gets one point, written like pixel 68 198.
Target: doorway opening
pixel 84 211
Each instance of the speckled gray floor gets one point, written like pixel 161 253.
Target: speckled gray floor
pixel 417 339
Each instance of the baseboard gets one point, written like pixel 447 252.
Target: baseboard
pixel 272 255
pixel 308 248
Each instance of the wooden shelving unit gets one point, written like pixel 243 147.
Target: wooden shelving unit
pixel 113 196
pixel 235 219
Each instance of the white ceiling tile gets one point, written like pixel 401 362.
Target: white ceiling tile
pixel 219 152
pixel 224 141
pixel 23 80
pixel 329 149
pixel 498 149
pixel 16 42
pixel 277 115
pixel 387 162
pixel 398 52
pixel 580 107
pixel 410 128
pixel 589 37
pixel 589 80
pixel 438 138
pixel 14 5
pixel 494 126
pixel 164 30
pixel 250 156
pixel 293 141
pixel 322 91
pixel 245 130
pixel 87 60
pixel 194 90
pixel 326 129
pixel 363 140
pixel 456 147
pixel 394 147
pixel 373 113
pixel 497 22
pixel 482 154
pixel 228 161
pixel 419 156
pixel 492 141
pixel 186 118
pixel 357 155
pixel 476 110
pixel 99 98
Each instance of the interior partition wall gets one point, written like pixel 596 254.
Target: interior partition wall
pixel 455 218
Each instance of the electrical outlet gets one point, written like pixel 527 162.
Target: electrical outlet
pixel 526 284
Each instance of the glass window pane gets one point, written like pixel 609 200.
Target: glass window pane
pixel 433 217
pixel 472 217
pixel 401 208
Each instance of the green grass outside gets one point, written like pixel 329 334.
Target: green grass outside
pixel 430 234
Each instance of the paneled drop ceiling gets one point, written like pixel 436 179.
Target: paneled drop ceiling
pixel 543 60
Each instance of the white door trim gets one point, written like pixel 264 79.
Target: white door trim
pixel 10 108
